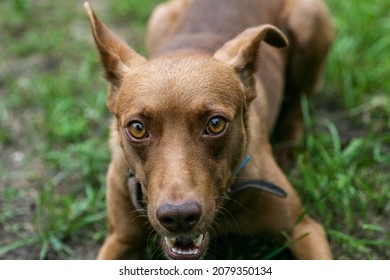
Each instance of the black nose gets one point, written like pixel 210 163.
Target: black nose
pixel 179 217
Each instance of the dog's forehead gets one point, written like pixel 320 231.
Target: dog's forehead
pixel 181 81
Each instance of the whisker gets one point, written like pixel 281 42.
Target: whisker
pixel 226 214
pixel 238 203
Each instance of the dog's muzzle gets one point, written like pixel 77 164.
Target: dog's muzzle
pixel 190 247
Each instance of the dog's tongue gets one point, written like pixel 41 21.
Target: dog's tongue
pixel 183 241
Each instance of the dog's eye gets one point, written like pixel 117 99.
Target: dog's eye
pixel 137 130
pixel 216 126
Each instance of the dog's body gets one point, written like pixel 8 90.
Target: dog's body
pixel 186 120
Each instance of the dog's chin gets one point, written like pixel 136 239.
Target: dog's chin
pixel 185 247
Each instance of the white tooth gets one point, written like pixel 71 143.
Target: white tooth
pixel 198 241
pixel 170 242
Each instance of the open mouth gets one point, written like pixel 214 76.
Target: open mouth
pixel 184 247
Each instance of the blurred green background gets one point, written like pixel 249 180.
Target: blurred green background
pixel 54 130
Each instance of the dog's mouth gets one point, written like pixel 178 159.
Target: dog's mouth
pixel 184 247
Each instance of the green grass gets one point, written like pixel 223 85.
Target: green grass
pixel 345 185
pixel 54 112
pixel 358 62
pixel 54 129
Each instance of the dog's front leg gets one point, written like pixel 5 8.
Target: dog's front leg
pixel 272 214
pixel 127 237
pixel 308 237
pixel 309 241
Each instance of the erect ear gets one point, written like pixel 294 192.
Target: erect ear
pixel 116 56
pixel 241 53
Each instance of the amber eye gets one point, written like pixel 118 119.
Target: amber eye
pixel 216 125
pixel 137 130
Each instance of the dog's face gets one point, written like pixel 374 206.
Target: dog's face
pixel 181 120
pixel 182 131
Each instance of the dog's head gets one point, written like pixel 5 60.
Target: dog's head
pixel 181 121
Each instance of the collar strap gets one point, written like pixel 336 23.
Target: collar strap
pixel 243 164
pixel 136 194
pixel 139 203
pixel 257 185
pixel 254 184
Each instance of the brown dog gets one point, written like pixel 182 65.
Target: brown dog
pixel 188 121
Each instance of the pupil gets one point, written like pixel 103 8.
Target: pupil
pixel 138 127
pixel 215 122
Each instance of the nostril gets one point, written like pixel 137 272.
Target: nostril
pixel 191 219
pixel 167 221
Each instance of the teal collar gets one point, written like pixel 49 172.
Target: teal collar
pixel 254 183
pixel 243 164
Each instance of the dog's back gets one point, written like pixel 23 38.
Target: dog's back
pixel 207 24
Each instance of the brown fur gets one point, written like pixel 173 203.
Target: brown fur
pixel 207 63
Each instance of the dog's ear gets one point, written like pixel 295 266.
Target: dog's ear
pixel 241 53
pixel 116 56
